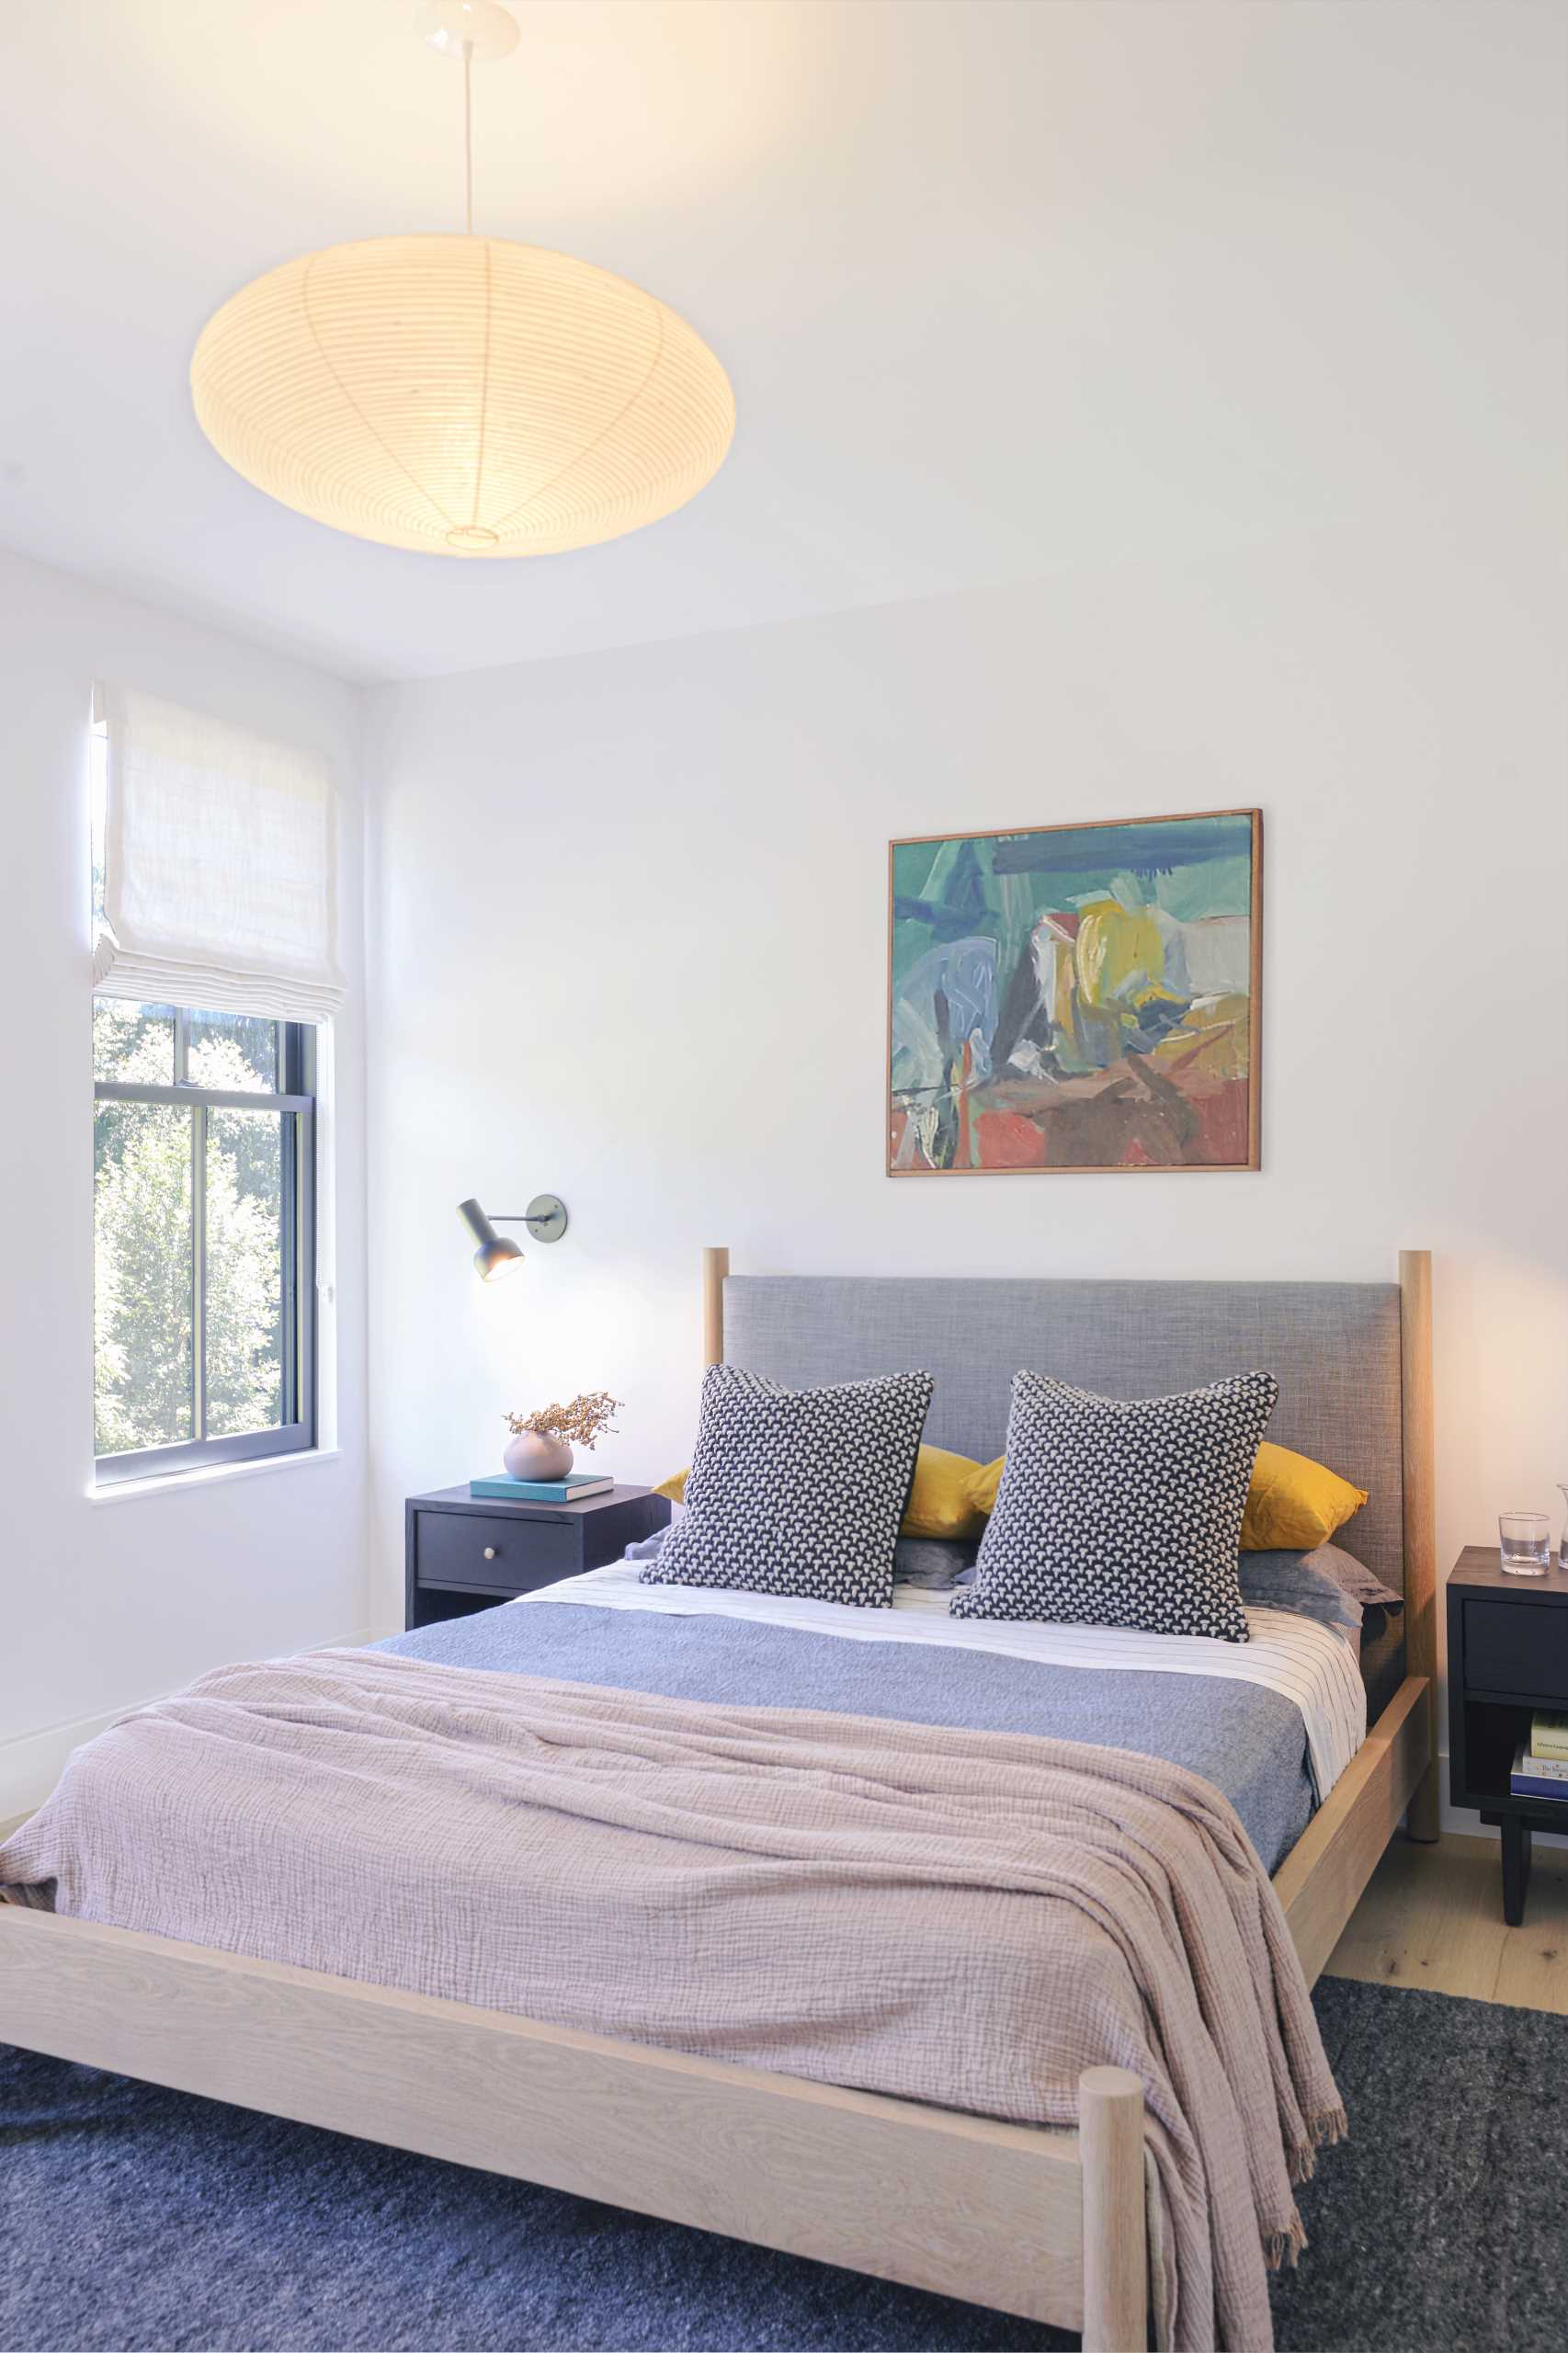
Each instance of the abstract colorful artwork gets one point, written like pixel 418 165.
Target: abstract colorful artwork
pixel 1076 996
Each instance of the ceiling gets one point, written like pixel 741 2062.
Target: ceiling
pixel 1003 286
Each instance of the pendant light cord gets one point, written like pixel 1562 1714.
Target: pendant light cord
pixel 468 139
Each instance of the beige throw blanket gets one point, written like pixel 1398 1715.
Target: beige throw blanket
pixel 968 1918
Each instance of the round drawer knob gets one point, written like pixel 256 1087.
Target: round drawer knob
pixel 490 1551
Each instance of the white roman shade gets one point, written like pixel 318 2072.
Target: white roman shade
pixel 220 866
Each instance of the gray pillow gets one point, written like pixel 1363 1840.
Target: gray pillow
pixel 936 1562
pixel 648 1548
pixel 1279 1577
pixel 1290 1582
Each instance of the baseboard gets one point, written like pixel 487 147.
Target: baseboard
pixel 32 1762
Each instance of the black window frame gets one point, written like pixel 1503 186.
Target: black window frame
pixel 295 1101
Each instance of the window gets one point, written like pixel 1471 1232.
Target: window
pixel 204 1218
pixel 214 885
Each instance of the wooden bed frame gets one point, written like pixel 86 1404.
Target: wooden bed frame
pixel 1054 2226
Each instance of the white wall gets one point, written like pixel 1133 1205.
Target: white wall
pixel 631 947
pixel 110 1601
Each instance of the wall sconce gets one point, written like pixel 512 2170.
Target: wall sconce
pixel 545 1217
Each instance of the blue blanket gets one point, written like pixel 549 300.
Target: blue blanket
pixel 1249 1742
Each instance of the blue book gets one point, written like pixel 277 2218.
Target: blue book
pixel 570 1490
pixel 1523 1784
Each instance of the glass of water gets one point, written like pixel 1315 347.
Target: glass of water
pixel 1525 1543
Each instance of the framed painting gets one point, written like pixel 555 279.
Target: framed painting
pixel 1076 996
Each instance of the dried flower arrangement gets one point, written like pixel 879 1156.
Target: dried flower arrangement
pixel 585 1420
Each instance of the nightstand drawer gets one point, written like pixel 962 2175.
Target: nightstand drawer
pixel 1510 1648
pixel 508 1555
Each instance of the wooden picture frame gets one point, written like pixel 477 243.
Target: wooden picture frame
pixel 1248 1156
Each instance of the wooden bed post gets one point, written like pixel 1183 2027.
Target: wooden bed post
pixel 1424 1819
pixel 715 1266
pixel 1116 2235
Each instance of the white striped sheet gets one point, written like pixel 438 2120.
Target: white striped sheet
pixel 1304 1662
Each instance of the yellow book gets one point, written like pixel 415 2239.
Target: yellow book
pixel 1548 1736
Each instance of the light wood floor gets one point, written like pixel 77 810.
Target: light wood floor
pixel 1433 1916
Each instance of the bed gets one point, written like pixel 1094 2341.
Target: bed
pixel 1051 2224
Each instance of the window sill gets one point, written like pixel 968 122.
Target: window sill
pixel 117 1490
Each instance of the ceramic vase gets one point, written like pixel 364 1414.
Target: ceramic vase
pixel 531 1455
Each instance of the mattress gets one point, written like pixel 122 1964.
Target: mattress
pixel 1269 1723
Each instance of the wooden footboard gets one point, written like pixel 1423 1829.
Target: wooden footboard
pixel 1050 2225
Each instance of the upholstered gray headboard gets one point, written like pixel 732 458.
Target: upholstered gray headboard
pixel 1334 1348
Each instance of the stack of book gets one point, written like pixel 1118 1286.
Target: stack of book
pixel 1542 1769
pixel 570 1490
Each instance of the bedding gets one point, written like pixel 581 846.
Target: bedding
pixel 1328 1583
pixel 1295 1503
pixel 1122 1511
pixel 798 1491
pixel 1272 1723
pixel 1298 1581
pixel 942 1502
pixel 1292 1502
pixel 939 1502
pixel 1308 1665
pixel 1286 1574
pixel 938 1563
pixel 1324 1582
pixel 986 1484
pixel 968 1918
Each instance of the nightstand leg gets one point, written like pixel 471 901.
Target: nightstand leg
pixel 1516 1868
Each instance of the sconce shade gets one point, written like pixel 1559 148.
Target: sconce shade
pixel 496 1255
pixel 464 397
pixel 497 1258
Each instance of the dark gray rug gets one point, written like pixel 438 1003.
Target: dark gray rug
pixel 132 2217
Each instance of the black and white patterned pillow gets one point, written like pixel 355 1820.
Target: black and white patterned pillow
pixel 1116 1512
pixel 797 1491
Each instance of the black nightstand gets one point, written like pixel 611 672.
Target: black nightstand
pixel 1507 1655
pixel 466 1553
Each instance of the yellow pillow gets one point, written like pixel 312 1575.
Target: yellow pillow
pixel 939 1504
pixel 982 1487
pixel 1294 1504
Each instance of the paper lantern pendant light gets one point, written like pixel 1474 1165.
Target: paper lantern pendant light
pixel 462 395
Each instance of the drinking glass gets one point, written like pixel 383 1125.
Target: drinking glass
pixel 1525 1543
